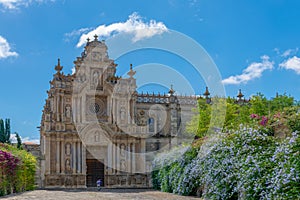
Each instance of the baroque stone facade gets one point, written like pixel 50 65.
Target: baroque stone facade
pixel 95 125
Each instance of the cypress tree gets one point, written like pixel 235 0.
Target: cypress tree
pixel 19 141
pixel 5 131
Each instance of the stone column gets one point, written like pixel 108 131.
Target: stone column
pixel 118 161
pixel 143 156
pixel 74 156
pixel 129 156
pixel 113 158
pixel 83 161
pixel 62 155
pixel 47 153
pixel 133 158
pixel 78 157
pixel 58 155
pixel 109 157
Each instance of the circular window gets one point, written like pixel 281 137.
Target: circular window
pixel 94 108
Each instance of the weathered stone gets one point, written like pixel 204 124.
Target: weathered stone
pixel 95 125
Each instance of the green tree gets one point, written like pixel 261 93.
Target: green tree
pixel 19 141
pixel 280 102
pixel 260 105
pixel 5 131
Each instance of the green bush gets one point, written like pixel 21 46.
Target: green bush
pixel 17 171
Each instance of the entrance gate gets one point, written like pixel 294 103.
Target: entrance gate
pixel 95 170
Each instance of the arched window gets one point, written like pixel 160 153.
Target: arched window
pixel 151 124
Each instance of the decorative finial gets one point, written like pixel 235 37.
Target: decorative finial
pixel 58 67
pixel 96 37
pixel 171 91
pixel 206 93
pixel 131 73
pixel 240 95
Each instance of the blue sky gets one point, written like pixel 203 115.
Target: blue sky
pixel 253 43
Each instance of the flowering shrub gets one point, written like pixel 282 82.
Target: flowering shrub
pixel 242 164
pixel 17 170
pixel 284 182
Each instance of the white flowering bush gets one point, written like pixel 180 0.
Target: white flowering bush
pixel 284 182
pixel 242 164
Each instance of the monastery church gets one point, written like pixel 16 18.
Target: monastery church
pixel 96 125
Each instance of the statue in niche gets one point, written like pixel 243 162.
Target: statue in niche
pixel 68 111
pixel 68 165
pixel 122 165
pixel 122 149
pixel 123 113
pixel 68 149
pixel 95 77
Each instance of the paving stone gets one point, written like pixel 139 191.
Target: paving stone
pixel 119 194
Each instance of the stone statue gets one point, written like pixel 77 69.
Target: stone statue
pixel 68 111
pixel 68 165
pixel 122 151
pixel 95 77
pixel 123 113
pixel 68 149
pixel 123 165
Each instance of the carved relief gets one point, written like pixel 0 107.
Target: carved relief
pixel 68 149
pixel 68 166
pixel 68 181
pixel 122 150
pixel 68 111
pixel 58 113
pixel 95 77
pixel 141 118
pixel 97 136
pixel 123 113
pixel 123 165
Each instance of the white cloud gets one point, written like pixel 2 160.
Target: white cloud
pixel 73 70
pixel 76 33
pixel 16 4
pixel 5 50
pixel 134 25
pixel 13 139
pixel 292 64
pixel 289 52
pixel 254 70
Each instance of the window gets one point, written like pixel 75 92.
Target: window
pixel 151 124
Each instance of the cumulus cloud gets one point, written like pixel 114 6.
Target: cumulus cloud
pixel 291 64
pixel 253 71
pixel 5 50
pixel 289 52
pixel 16 4
pixel 134 25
